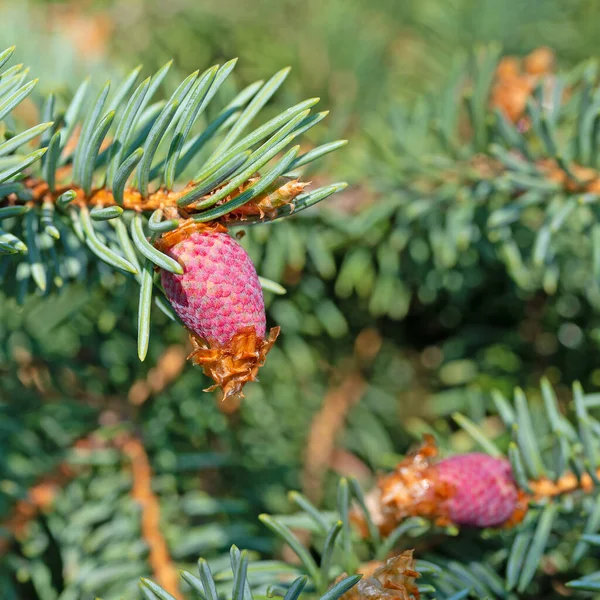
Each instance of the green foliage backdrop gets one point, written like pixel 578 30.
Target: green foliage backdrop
pixel 410 297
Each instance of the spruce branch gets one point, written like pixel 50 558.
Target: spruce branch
pixel 339 541
pixel 115 162
pixel 553 465
pixel 502 161
pixel 240 575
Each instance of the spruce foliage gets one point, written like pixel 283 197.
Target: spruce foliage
pixel 447 299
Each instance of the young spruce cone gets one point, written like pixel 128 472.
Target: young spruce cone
pixel 485 494
pixel 473 489
pixel 219 299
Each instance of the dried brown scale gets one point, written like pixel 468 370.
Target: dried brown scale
pixel 588 179
pixel 568 483
pixel 405 492
pixel 234 365
pixel 392 580
pixel 185 229
pixel 132 199
pixel 515 80
pixel 539 61
pixel 267 205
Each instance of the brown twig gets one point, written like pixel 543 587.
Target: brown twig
pixel 283 192
pixel 41 496
pixel 168 368
pixel 132 199
pixel 321 452
pixel 160 560
pixel 568 483
pixel 325 427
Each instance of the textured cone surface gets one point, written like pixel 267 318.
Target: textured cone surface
pixel 219 293
pixel 485 494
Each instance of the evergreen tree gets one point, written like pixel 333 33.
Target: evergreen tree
pixel 420 427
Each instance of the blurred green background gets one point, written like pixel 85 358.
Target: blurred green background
pixel 372 353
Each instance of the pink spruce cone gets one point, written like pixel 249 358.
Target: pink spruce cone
pixel 474 489
pixel 219 293
pixel 219 299
pixel 485 494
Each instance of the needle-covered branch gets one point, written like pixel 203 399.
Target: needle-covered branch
pixel 116 158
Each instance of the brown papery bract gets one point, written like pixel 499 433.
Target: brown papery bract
pixel 515 80
pixel 392 580
pixel 235 364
